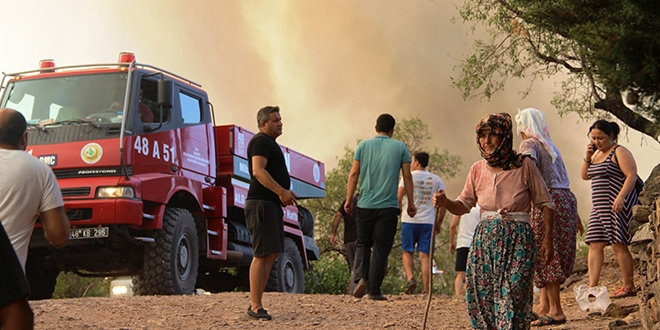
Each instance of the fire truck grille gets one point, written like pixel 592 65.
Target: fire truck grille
pixel 73 192
pixel 79 214
pixel 90 172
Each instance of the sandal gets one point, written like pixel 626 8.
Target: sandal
pixel 260 314
pixel 547 320
pixel 624 292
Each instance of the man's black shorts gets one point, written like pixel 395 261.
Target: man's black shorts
pixel 13 285
pixel 264 221
pixel 461 259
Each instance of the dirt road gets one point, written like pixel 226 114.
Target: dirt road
pixel 228 311
pixel 302 311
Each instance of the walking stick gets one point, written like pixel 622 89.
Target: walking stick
pixel 430 288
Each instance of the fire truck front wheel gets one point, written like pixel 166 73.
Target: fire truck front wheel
pixel 171 262
pixel 287 274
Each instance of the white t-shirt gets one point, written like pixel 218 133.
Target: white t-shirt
pixel 469 222
pixel 425 184
pixel 28 187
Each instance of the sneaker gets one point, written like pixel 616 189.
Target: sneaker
pixel 412 285
pixel 377 297
pixel 260 314
pixel 360 288
pixel 435 270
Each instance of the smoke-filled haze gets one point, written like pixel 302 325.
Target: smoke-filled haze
pixel 332 66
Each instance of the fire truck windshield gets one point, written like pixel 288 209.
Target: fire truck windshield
pixel 94 98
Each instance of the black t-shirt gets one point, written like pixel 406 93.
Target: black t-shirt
pixel 350 227
pixel 264 145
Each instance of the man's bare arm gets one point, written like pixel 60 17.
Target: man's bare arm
pixel 56 226
pixel 408 185
pixel 259 171
pixel 335 225
pixel 353 177
pixel 399 195
pixel 453 229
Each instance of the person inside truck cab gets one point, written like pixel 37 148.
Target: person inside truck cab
pixel 146 115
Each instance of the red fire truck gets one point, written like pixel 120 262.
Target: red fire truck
pixel 152 187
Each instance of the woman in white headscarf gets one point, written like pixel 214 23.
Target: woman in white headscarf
pixel 537 144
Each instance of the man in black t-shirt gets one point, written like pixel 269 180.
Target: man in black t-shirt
pixel 350 237
pixel 268 192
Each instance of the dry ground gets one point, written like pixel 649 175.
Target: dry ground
pixel 301 311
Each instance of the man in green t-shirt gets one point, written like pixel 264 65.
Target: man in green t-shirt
pixel 376 164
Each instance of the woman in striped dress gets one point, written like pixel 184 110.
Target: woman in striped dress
pixel 613 173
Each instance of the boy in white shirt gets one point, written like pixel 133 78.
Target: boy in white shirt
pixel 416 231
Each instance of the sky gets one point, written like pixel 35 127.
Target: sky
pixel 332 66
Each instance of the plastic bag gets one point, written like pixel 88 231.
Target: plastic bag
pixel 593 299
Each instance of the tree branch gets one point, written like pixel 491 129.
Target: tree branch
pixel 615 106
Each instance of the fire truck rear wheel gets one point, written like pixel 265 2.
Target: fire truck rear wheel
pixel 287 274
pixel 171 262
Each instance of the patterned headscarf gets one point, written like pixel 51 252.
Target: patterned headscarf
pixel 504 156
pixel 532 122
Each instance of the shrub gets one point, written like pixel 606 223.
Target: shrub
pixel 329 275
pixel 70 285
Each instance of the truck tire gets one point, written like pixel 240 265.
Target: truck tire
pixel 287 274
pixel 171 262
pixel 42 280
pixel 306 221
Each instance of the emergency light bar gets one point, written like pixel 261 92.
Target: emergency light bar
pixel 126 57
pixel 47 65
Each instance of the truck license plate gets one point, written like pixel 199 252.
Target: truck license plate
pixel 96 232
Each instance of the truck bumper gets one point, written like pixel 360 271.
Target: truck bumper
pixel 96 212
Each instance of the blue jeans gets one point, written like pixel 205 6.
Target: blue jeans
pixel 376 229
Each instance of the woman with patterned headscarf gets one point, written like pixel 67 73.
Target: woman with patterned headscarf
pixel 537 143
pixel 500 272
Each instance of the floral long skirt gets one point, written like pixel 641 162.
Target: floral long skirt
pixel 565 232
pixel 500 272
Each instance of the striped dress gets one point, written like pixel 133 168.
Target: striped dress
pixel 606 183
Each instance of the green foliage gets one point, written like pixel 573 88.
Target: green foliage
pixel 395 281
pixel 324 279
pixel 415 134
pixel 330 275
pixel 324 208
pixel 70 285
pixel 605 49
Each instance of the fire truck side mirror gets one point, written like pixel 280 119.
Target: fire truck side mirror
pixel 165 87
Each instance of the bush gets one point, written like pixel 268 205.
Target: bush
pixel 329 275
pixel 70 285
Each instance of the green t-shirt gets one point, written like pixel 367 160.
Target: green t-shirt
pixel 380 164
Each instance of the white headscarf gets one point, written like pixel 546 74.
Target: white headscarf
pixel 532 122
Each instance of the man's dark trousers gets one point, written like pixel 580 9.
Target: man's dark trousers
pixel 375 228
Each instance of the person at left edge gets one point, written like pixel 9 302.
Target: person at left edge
pixel 30 190
pixel 268 192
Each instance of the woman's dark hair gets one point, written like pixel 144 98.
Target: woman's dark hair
pixel 608 127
